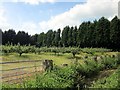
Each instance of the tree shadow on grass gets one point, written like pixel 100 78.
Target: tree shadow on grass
pixel 23 56
pixel 76 57
pixel 56 54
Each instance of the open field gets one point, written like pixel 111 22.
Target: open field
pixel 58 59
pixel 60 46
pixel 86 58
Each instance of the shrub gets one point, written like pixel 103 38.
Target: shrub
pixel 58 78
pixel 110 82
pixel 109 63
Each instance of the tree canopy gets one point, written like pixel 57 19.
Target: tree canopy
pixel 99 33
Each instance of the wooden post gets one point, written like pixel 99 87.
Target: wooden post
pixel 48 64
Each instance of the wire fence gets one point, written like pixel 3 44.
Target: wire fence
pixel 19 74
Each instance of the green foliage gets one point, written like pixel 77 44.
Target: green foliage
pixel 57 38
pixel 55 50
pixel 41 39
pixel 115 33
pixel 5 49
pixel 69 76
pixel 102 32
pixel 58 78
pixel 108 82
pixel 22 49
pixel 97 34
pixel 65 36
pixel 72 76
pixel 89 68
pixel 8 86
pixel 109 63
pixel 93 50
pixel 74 51
pixel 118 58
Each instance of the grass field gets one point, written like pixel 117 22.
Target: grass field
pixel 57 59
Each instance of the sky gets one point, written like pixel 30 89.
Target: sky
pixel 36 16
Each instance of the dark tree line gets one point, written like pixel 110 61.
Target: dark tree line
pixel 101 33
pixel 23 38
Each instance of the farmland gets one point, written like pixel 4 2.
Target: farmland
pixel 80 57
pixel 85 67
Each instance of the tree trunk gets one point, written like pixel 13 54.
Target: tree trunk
pixel 20 54
pixel 73 55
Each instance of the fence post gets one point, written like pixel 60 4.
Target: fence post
pixel 47 64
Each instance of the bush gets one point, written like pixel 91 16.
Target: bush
pixel 109 63
pixel 58 78
pixel 89 68
pixel 118 58
pixel 110 82
pixel 93 50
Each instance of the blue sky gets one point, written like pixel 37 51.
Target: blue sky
pixel 36 16
pixel 26 12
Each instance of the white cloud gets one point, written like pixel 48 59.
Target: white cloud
pixel 92 9
pixel 3 20
pixel 33 2
pixel 36 2
pixel 30 27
